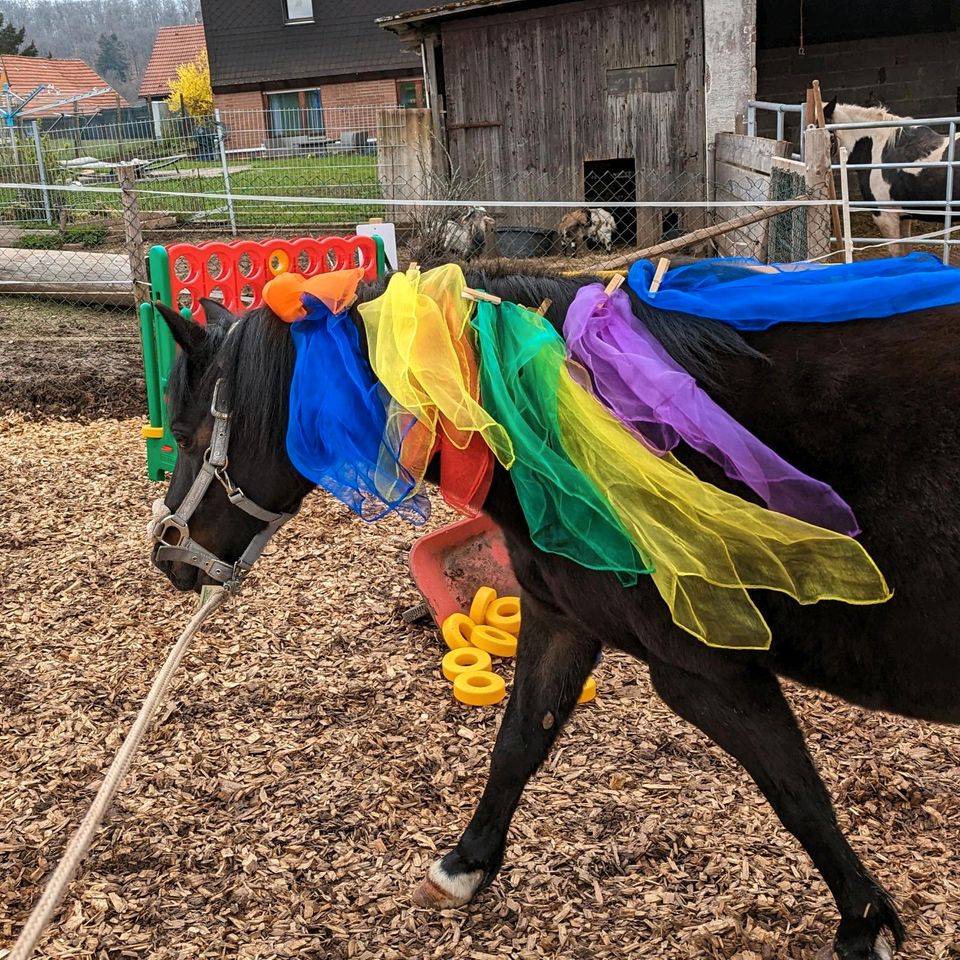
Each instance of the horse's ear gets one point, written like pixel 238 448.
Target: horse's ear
pixel 189 335
pixel 216 312
pixel 828 109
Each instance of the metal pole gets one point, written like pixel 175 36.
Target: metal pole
pixel 42 170
pixel 845 198
pixel 751 121
pixel 11 121
pixel 780 119
pixel 221 142
pixel 948 209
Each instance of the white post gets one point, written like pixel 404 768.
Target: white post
pixel 221 142
pixel 42 170
pixel 948 209
pixel 845 201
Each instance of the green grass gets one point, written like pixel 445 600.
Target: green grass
pixel 345 175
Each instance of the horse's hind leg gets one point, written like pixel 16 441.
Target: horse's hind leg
pixel 553 660
pixel 744 711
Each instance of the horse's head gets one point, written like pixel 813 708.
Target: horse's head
pixel 233 485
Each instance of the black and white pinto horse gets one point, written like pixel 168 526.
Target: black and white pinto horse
pixel 894 145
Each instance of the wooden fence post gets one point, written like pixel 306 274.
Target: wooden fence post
pixel 818 175
pixel 133 233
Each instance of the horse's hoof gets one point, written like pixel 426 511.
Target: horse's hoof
pixel 442 890
pixel 881 950
pixel 869 937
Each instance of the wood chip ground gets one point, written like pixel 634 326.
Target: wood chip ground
pixel 310 763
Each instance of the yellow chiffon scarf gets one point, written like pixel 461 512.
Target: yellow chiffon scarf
pixel 709 547
pixel 420 350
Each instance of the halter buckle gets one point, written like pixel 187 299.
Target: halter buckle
pixel 215 409
pixel 171 524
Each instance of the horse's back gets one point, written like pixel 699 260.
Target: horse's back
pixel 872 407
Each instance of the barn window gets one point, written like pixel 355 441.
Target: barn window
pixel 658 79
pixel 298 11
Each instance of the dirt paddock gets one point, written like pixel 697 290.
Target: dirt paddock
pixel 310 763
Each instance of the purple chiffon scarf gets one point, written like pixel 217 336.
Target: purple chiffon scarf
pixel 644 387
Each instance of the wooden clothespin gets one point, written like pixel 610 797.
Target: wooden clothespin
pixel 614 285
pixel 662 268
pixel 468 293
pixel 544 307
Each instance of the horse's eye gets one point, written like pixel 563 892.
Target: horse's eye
pixel 183 439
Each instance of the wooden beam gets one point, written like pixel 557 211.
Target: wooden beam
pixel 831 186
pixel 704 233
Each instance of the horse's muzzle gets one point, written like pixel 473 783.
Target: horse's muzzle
pixel 183 576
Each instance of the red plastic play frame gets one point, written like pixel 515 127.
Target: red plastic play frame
pixel 241 268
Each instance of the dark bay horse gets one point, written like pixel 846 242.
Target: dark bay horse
pixel 870 407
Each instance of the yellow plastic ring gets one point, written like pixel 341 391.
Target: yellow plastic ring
pixel 464 660
pixel 481 600
pixel 457 630
pixel 497 643
pixel 589 691
pixel 479 688
pixel 504 614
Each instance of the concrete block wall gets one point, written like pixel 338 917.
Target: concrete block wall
pixel 914 75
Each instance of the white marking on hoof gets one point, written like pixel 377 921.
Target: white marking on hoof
pixel 441 890
pixel 881 948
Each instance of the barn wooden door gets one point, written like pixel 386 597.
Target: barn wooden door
pixel 533 95
pixel 654 100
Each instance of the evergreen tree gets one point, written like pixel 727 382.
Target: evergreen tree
pixel 111 58
pixel 11 40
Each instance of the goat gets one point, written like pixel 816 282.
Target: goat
pixel 466 237
pixel 586 225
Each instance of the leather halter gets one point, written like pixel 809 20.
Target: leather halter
pixel 172 532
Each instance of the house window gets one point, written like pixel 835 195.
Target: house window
pixel 410 93
pixel 284 112
pixel 314 107
pixel 298 11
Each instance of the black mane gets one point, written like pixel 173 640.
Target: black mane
pixel 256 355
pixel 695 343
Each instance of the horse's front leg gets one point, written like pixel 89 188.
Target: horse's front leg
pixel 890 225
pixel 743 710
pixel 553 661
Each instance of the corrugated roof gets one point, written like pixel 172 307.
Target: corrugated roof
pixel 63 78
pixel 173 46
pixel 441 10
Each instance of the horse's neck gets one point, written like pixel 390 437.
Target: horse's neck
pixel 878 136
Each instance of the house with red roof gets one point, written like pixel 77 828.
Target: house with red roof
pixel 66 86
pixel 173 47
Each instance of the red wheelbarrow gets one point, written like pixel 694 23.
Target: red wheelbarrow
pixel 449 565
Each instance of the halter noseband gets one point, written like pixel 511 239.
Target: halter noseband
pixel 172 532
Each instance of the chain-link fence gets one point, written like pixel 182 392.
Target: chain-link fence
pixel 78 213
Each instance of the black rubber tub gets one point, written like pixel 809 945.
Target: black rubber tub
pixel 522 242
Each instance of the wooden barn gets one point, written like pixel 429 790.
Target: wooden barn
pixel 621 100
pixel 599 100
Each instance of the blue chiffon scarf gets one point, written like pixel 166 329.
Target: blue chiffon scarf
pixel 743 293
pixel 337 426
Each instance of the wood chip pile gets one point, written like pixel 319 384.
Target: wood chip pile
pixel 311 762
